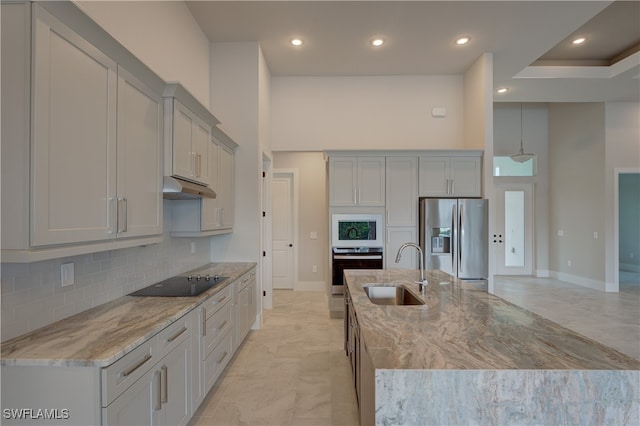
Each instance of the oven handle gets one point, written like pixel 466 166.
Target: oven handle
pixel 374 257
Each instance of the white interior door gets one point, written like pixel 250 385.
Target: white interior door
pixel 283 230
pixel 514 229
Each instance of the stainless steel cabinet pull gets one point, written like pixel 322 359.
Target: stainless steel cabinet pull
pixel 224 355
pixel 453 188
pixel 157 382
pixel 219 301
pixel 175 336
pixel 134 367
pixel 203 321
pixel 164 388
pixel 122 215
pixel 113 215
pixel 222 325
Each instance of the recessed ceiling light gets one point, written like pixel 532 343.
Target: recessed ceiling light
pixel 463 40
pixel 377 42
pixel 579 40
pixel 502 90
pixel 296 42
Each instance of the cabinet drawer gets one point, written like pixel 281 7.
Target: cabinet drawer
pixel 173 335
pixel 117 377
pixel 217 301
pixel 217 360
pixel 217 325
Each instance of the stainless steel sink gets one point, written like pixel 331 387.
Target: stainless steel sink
pixel 391 295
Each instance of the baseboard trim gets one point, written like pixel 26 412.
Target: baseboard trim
pixel 578 280
pixel 310 286
pixel 629 267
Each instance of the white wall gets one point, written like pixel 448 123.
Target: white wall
pixel 234 94
pixel 163 35
pixel 312 212
pixel 577 193
pixel 387 112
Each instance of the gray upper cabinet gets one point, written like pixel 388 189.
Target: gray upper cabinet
pixel 455 176
pixel 357 181
pixel 83 150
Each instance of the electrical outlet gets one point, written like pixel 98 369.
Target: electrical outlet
pixel 595 235
pixel 193 247
pixel 67 275
pixel 632 255
pixel 313 235
pixel 560 233
pixel 314 268
pixel 568 263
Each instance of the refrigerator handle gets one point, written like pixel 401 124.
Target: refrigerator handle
pixel 460 239
pixel 453 238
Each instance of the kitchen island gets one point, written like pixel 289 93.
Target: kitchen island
pixel 468 357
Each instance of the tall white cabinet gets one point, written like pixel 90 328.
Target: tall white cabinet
pixel 82 153
pixel 401 209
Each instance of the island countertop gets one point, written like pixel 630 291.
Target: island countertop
pixel 461 327
pixel 101 335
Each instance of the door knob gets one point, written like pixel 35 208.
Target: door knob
pixel 290 245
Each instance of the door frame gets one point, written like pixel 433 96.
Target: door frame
pixel 529 190
pixel 293 175
pixel 615 286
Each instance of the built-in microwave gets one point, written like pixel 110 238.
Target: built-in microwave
pixel 356 230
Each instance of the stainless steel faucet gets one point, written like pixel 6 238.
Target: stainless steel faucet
pixel 422 285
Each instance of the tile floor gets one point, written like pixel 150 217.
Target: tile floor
pixel 293 371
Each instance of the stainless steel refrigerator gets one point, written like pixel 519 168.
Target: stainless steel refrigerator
pixel 454 236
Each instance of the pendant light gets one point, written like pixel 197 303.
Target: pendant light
pixel 521 157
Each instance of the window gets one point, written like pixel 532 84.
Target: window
pixel 505 166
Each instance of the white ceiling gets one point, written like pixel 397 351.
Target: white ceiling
pixel 420 38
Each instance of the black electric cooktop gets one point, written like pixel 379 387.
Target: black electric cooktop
pixel 181 286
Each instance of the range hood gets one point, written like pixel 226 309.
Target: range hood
pixel 179 189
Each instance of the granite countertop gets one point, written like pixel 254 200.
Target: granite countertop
pixel 462 327
pixel 99 336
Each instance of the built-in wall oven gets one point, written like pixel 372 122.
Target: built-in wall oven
pixel 356 244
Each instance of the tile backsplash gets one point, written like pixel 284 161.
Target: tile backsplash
pixel 33 296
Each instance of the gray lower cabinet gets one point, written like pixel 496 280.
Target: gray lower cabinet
pixel 156 392
pixel 160 382
pixel 244 306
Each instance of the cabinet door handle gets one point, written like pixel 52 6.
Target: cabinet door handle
pixel 122 215
pixel 219 301
pixel 193 164
pixel 113 215
pixel 203 321
pixel 175 336
pixel 134 367
pixel 224 355
pixel 157 403
pixel 453 188
pixel 222 325
pixel 164 385
pixel 199 164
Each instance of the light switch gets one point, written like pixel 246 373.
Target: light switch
pixel 313 235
